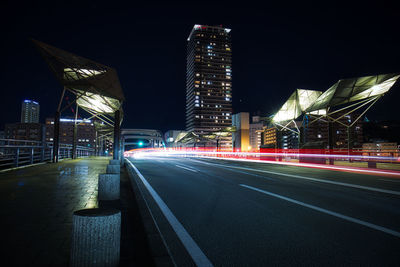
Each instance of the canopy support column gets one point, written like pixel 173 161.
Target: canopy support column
pixel 117 133
pixel 75 135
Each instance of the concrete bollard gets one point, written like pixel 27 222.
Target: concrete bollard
pixel 113 168
pixel 96 235
pixel 114 162
pixel 109 187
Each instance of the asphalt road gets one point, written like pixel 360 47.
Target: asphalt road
pixel 228 213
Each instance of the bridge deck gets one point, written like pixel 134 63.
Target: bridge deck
pixel 36 207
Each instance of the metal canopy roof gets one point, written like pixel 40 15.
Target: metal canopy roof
pixel 96 86
pixel 343 92
pixel 354 89
pixel 298 102
pixel 188 137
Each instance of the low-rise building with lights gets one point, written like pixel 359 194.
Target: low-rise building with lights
pixel 86 132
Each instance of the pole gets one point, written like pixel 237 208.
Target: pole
pixel 56 139
pixel 348 140
pixel 96 148
pixel 75 134
pixel 117 133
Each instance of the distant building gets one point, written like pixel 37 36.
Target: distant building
pixel 280 138
pixel 383 131
pixel 30 111
pixel 240 138
pixel 255 133
pixel 318 131
pixel 314 132
pixel 383 149
pixel 23 131
pixel 208 81
pixel 270 137
pixel 289 139
pixel 86 133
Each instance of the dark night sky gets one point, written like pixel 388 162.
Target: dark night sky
pixel 276 49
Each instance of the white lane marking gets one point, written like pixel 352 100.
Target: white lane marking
pixel 387 180
pixel 335 214
pixel 193 249
pixel 189 169
pixel 312 179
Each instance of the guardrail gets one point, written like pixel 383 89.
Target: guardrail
pixel 16 153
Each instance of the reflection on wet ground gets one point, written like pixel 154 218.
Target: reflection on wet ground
pixel 36 206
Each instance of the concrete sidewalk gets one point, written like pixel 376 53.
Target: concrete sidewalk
pixel 36 206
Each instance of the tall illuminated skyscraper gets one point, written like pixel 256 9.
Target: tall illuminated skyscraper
pixel 30 111
pixel 209 80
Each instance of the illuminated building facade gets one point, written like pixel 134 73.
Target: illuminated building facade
pixel 385 149
pixel 270 137
pixel 86 133
pixel 289 139
pixel 255 132
pixel 240 138
pixel 30 111
pixel 281 139
pixel 209 81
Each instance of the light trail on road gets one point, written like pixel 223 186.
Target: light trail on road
pixel 272 158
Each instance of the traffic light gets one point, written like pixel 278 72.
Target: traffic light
pixel 140 143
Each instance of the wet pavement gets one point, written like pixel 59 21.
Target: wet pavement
pixel 36 206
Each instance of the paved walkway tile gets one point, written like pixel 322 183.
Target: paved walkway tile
pixel 36 206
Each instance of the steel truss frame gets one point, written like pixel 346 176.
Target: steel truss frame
pixel 96 89
pixel 329 118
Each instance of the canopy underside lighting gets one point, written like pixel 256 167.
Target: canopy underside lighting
pixel 97 103
pixel 355 89
pixel 297 103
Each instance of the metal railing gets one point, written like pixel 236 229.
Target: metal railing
pixel 16 153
